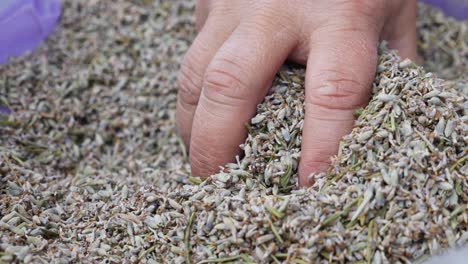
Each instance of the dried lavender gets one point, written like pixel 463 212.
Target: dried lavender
pixel 443 43
pixel 92 170
pixel 396 192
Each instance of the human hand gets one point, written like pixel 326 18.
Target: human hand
pixel 242 44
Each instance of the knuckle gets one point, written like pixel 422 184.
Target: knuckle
pixel 356 35
pixel 360 15
pixel 321 162
pixel 189 84
pixel 338 93
pixel 274 14
pixel 322 155
pixel 200 162
pixel 224 85
pixel 368 7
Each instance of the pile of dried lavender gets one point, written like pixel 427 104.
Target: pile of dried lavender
pixel 91 168
pixel 397 191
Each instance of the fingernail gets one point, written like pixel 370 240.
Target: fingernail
pixel 311 179
pixel 307 181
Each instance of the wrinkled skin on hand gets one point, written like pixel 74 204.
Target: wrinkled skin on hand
pixel 242 44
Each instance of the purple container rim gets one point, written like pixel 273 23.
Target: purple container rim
pixel 43 14
pixel 5 110
pixel 457 9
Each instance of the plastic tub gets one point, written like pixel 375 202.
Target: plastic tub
pixel 454 8
pixel 24 24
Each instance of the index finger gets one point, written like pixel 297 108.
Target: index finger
pixel 235 82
